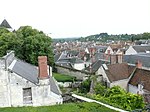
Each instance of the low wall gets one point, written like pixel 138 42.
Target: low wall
pixel 80 75
pixel 65 84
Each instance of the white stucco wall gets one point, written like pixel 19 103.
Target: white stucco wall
pixel 130 51
pixel 122 83
pixel 11 91
pixel 87 51
pixel 109 48
pixel 133 89
pixel 41 95
pixel 4 89
pixel 4 96
pixel 102 72
pixel 16 96
pixel 79 66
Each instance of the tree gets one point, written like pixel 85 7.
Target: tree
pixel 8 41
pixel 34 44
pixel 145 35
pixel 28 44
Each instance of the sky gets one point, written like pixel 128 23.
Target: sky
pixel 76 18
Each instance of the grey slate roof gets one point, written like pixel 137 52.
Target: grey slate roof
pixel 70 60
pixel 56 57
pixel 101 49
pixel 54 88
pixel 75 60
pixel 142 48
pixel 132 59
pixel 68 65
pixel 26 71
pixel 73 53
pixel 96 65
pixel 5 24
pixel 30 72
pixel 99 56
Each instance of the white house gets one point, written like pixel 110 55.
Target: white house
pixel 138 49
pixel 22 84
pixel 109 50
pixel 104 49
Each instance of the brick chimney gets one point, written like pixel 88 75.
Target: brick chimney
pixel 116 58
pixel 139 64
pixel 42 62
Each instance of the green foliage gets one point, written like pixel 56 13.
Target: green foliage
pixel 63 78
pixel 115 90
pixel 3 30
pixel 8 41
pixel 146 35
pixel 27 43
pixel 85 86
pixel 70 107
pixel 116 97
pixel 100 89
pixel 104 37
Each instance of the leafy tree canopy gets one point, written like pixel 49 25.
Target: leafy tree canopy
pixel 28 44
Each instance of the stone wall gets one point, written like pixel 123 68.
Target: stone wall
pixel 80 75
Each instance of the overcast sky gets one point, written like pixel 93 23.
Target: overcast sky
pixel 76 18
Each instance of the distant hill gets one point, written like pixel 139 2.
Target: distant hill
pixel 105 37
pixel 65 39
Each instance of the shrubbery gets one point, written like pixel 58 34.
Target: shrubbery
pixel 117 97
pixel 85 86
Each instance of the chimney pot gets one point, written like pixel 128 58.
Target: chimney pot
pixel 42 62
pixel 139 64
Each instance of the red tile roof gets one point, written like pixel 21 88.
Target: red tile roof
pixel 141 76
pixel 119 71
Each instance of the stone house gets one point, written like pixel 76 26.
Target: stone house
pixel 115 74
pixel 140 83
pixel 22 84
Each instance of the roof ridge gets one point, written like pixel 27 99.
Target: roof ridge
pixel 5 24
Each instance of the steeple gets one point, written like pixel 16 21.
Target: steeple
pixel 5 24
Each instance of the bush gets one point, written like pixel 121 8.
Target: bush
pixel 115 90
pixel 85 86
pixel 100 89
pixel 117 97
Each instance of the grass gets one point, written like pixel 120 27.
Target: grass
pixel 69 107
pixel 63 78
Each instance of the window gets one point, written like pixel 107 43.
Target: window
pixel 27 96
